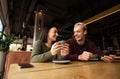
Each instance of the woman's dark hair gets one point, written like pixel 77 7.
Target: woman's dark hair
pixel 44 32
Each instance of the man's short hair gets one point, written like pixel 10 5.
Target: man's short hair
pixel 81 24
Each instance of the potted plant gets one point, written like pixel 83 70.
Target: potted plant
pixel 5 41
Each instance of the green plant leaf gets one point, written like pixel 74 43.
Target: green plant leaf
pixel 5 41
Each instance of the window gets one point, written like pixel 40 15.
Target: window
pixel 1 26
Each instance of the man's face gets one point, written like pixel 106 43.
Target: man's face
pixel 79 33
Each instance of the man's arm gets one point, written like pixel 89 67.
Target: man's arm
pixel 73 57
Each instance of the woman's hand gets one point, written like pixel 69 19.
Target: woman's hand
pixel 55 48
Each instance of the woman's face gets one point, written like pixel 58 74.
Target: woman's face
pixel 52 34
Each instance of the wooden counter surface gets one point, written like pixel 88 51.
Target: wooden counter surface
pixel 74 70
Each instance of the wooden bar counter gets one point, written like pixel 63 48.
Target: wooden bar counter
pixel 73 70
pixel 14 57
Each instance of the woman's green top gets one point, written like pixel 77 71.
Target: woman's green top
pixel 41 53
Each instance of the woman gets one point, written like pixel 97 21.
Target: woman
pixel 44 50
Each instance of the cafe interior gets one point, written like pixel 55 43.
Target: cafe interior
pixel 24 18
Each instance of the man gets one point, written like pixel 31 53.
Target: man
pixel 82 48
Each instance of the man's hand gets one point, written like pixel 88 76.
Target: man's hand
pixel 64 49
pixel 85 56
pixel 108 59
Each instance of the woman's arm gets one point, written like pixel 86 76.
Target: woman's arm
pixel 41 53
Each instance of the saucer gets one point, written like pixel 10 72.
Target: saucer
pixel 61 61
pixel 117 58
